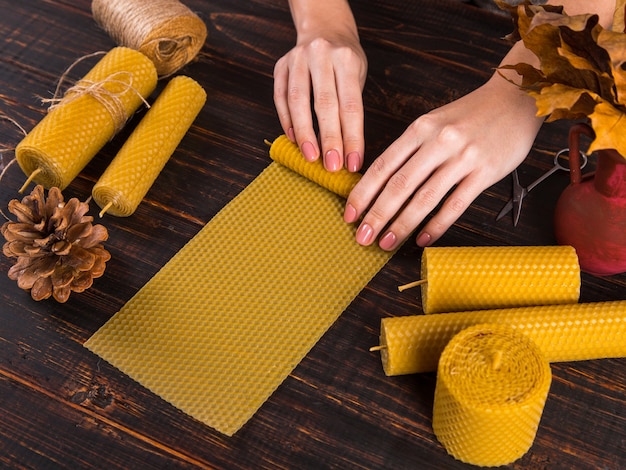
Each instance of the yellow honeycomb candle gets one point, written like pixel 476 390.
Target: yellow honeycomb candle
pixel 142 157
pixel 288 154
pixel 87 117
pixel 472 278
pixel 492 385
pixel 567 332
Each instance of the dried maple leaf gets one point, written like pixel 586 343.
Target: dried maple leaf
pixel 582 71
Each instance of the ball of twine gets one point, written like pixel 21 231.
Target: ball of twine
pixel 166 31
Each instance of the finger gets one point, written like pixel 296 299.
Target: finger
pixel 326 104
pixel 299 105
pixel 281 74
pixel 454 206
pixel 351 118
pixel 377 175
pixel 401 187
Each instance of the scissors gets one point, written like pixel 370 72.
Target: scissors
pixel 519 192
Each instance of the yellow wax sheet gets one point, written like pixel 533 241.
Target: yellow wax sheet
pixel 226 320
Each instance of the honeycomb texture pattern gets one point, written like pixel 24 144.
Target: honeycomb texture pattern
pixel 568 332
pixel 69 136
pixel 142 157
pixel 224 322
pixel 492 385
pixel 472 278
pixel 287 153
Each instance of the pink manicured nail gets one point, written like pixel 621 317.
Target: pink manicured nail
pixel 349 214
pixel 291 134
pixel 332 160
pixel 353 162
pixel 388 241
pixel 309 152
pixel 424 239
pixel 364 234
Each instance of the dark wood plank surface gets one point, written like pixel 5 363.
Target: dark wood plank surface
pixel 63 407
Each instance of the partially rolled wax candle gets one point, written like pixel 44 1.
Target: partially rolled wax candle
pixel 475 277
pixel 130 175
pixel 166 31
pixel 285 152
pixel 492 385
pixel 87 117
pixel 568 332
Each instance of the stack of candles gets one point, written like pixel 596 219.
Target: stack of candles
pixel 479 288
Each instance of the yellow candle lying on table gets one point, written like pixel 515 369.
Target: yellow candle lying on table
pixel 288 154
pixel 87 117
pixel 472 278
pixel 130 175
pixel 492 385
pixel 569 332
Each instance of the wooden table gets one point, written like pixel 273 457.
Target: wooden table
pixel 63 407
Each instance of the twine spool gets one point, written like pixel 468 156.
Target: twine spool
pixel 492 384
pixel 166 31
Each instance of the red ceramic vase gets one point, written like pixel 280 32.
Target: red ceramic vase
pixel 591 212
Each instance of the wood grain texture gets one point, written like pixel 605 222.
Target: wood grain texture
pixel 63 407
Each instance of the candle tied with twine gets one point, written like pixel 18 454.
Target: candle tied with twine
pixel 86 118
pixel 166 31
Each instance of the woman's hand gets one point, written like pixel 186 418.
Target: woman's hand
pixel 450 154
pixel 329 63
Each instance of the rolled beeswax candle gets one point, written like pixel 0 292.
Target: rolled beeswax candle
pixel 87 117
pixel 492 385
pixel 472 278
pixel 568 332
pixel 132 172
pixel 288 154
pixel 166 31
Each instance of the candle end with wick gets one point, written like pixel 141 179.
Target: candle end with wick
pixel 29 180
pixel 412 284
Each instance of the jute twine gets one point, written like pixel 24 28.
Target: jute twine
pixel 166 31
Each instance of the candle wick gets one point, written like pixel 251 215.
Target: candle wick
pixel 104 209
pixel 32 176
pixel 412 284
pixel 496 360
pixel 378 348
pixel 267 142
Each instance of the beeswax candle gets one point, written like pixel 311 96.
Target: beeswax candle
pixel 132 172
pixel 567 332
pixel 87 117
pixel 472 278
pixel 288 154
pixel 492 385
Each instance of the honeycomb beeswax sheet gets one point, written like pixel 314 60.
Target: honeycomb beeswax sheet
pixel 226 320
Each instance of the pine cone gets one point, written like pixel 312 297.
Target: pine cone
pixel 58 250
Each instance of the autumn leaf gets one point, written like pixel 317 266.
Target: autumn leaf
pixel 609 125
pixel 581 72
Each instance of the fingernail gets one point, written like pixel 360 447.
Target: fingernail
pixel 291 134
pixel 364 234
pixel 424 239
pixel 388 241
pixel 353 162
pixel 309 152
pixel 332 160
pixel 349 214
